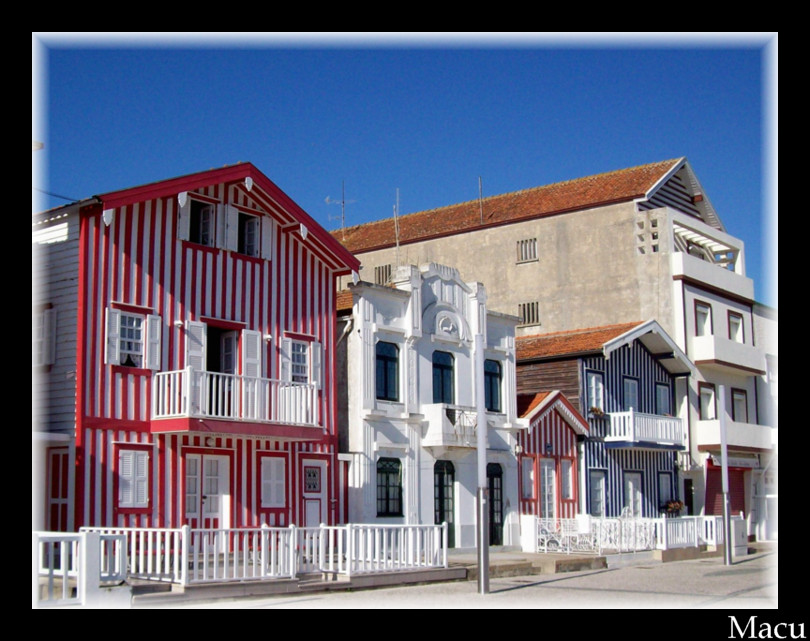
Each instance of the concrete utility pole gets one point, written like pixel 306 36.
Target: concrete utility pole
pixel 481 442
pixel 721 414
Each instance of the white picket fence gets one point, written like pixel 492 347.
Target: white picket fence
pixel 586 534
pixel 188 556
pixel 73 569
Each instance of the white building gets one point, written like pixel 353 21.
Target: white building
pixel 410 420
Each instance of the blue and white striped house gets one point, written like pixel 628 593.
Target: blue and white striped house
pixel 622 378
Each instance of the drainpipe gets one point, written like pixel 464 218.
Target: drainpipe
pixel 481 499
pixel 721 411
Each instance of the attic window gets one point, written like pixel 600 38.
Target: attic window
pixel 201 223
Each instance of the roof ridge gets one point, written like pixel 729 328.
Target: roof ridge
pixel 580 330
pixel 475 201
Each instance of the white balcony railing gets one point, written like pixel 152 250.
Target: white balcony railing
pixel 450 426
pixel 738 434
pixel 193 393
pixel 636 427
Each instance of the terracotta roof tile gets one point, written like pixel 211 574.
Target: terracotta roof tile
pixel 612 187
pixel 576 341
pixel 344 300
pixel 527 402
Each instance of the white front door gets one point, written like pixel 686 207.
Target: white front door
pixel 632 493
pixel 548 488
pixel 314 485
pixel 207 491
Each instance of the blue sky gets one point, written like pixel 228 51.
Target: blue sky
pixel 421 116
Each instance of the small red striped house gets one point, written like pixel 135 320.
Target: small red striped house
pixel 192 320
pixel 548 455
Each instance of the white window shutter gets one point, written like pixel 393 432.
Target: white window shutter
pixel 221 224
pixel 184 220
pixel 267 237
pixel 316 356
pixel 141 479
pixel 286 363
pixel 251 353
pixel 126 468
pixel 112 353
pixel 133 478
pixel 195 345
pixel 273 489
pixel 231 228
pixel 154 332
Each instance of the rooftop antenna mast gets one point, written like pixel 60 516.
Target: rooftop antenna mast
pixel 480 200
pixel 342 202
pixel 396 225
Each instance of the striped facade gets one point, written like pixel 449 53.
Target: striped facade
pixel 135 258
pixel 617 463
pixel 548 464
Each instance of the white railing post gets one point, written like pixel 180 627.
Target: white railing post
pixel 349 549
pixel 90 567
pixel 293 560
pixel 185 552
pixel 444 543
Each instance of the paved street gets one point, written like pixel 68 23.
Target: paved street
pixel 749 583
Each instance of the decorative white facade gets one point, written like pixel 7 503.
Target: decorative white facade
pixel 412 368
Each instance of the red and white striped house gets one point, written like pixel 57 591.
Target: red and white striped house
pixel 193 320
pixel 548 455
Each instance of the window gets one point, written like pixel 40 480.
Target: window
pixel 133 478
pixel 382 274
pixel 248 242
pixel 739 405
pixel 274 481
pixel 387 371
pixel 630 394
pixel 595 382
pixel 527 477
pixel 662 400
pixel 389 487
pixel 492 385
pixel 443 383
pixel 735 327
pixel 708 409
pixel 529 313
pixel 703 319
pixel 566 475
pixel 596 491
pixel 43 337
pixel 526 250
pixel 202 228
pixel 664 489
pixel 133 340
pixel 299 362
pixel 632 494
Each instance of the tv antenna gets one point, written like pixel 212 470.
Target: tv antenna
pixel 342 202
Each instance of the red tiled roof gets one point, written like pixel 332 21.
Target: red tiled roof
pixel 527 402
pixel 577 341
pixel 344 300
pixel 582 193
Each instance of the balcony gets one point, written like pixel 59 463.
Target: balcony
pixel 723 354
pixel 635 429
pixel 749 436
pixel 233 404
pixel 450 427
